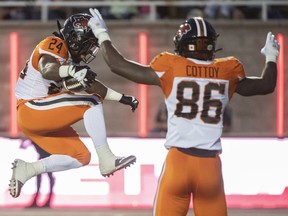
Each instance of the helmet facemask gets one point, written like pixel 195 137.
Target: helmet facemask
pixel 82 44
pixel 201 48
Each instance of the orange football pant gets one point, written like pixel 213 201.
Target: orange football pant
pixel 185 176
pixel 48 122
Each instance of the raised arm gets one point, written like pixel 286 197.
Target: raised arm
pixel 131 70
pixel 267 82
pixel 259 85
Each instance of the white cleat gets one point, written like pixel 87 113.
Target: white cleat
pixel 108 168
pixel 20 175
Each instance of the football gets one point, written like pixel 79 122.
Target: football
pixel 72 84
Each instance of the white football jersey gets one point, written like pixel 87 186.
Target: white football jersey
pixel 31 84
pixel 196 93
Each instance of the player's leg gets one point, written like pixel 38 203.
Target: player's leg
pixel 173 192
pixel 209 197
pixel 68 109
pixel 47 123
pixel 44 154
pixel 95 126
pixel 67 152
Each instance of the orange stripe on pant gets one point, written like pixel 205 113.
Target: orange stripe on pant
pixel 185 176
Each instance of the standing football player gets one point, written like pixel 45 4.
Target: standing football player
pixel 197 87
pixel 46 111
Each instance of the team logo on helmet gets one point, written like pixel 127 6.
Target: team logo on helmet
pixel 80 22
pixel 184 28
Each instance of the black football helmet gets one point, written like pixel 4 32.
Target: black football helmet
pixel 82 44
pixel 196 38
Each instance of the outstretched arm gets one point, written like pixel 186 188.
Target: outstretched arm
pixel 51 70
pixel 118 64
pixel 129 69
pixel 267 82
pixel 107 93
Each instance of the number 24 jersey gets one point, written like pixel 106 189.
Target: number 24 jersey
pixel 31 84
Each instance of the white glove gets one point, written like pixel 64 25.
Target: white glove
pixel 78 72
pixel 98 26
pixel 271 48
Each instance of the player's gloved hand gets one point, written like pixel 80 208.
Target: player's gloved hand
pixel 90 78
pixel 82 73
pixel 271 48
pixel 129 100
pixel 98 26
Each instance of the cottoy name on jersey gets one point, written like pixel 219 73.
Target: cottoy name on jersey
pixel 202 71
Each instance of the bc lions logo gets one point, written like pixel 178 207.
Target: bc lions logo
pixel 184 28
pixel 80 22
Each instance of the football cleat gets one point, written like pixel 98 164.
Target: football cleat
pixel 20 175
pixel 108 168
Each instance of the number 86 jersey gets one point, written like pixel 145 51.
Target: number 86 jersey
pixel 196 93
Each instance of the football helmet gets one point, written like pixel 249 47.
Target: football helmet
pixel 196 38
pixel 82 44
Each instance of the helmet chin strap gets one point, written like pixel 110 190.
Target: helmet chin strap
pixel 218 50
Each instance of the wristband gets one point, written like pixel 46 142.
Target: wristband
pixel 64 71
pixel 271 58
pixel 112 95
pixel 103 36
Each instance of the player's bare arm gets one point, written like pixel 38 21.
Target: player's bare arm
pixel 49 67
pixel 97 88
pixel 52 70
pixel 267 82
pixel 129 69
pixel 259 85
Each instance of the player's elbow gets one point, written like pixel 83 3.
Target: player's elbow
pixel 269 86
pixel 270 90
pixel 116 66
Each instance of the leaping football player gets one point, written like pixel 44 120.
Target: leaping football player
pixel 46 110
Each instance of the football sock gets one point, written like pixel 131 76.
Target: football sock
pixel 95 126
pixel 55 163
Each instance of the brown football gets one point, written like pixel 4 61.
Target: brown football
pixel 72 84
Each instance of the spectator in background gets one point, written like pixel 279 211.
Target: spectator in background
pixel 227 119
pixel 218 11
pixel 42 154
pixel 160 128
pixel 30 12
pixel 120 11
pixel 171 11
pixel 16 13
pixel 255 11
pixel 56 12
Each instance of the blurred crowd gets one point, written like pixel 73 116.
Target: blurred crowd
pixel 210 10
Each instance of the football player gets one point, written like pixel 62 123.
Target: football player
pixel 46 111
pixel 197 87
